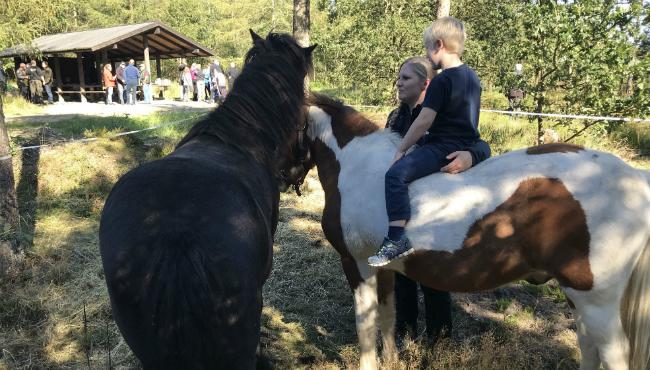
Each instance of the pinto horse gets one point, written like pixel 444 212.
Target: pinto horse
pixel 186 240
pixel 559 210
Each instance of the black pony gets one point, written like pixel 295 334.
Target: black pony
pixel 186 241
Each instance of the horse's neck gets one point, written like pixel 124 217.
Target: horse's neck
pixel 341 146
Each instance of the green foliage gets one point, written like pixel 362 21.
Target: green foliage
pixel 581 56
pixel 364 43
pixel 587 53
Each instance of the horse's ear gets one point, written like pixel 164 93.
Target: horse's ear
pixel 255 36
pixel 309 49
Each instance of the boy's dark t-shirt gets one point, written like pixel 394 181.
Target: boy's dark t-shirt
pixel 455 95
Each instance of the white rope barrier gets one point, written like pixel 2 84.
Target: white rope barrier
pixel 90 139
pixel 555 115
pixel 572 116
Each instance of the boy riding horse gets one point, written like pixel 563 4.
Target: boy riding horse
pixel 449 119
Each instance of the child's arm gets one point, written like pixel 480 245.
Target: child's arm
pixel 415 132
pixel 480 152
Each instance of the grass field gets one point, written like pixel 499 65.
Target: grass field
pixel 55 312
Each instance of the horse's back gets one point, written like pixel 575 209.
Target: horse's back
pixel 445 206
pixel 186 245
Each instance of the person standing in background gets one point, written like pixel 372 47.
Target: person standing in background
pixel 121 82
pixel 109 82
pixel 132 77
pixel 200 84
pixel 3 79
pixel 186 82
pixel 233 73
pixel 22 80
pixel 193 69
pixel 47 81
pixel 207 84
pixel 145 78
pixel 35 82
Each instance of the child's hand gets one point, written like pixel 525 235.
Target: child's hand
pixel 397 157
pixel 462 161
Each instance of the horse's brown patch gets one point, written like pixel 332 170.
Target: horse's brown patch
pixel 328 173
pixel 554 148
pixel 347 123
pixel 540 227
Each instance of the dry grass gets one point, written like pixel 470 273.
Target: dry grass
pixel 308 319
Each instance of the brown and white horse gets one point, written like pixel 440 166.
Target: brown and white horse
pixel 578 215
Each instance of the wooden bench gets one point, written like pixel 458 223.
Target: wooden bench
pixel 78 89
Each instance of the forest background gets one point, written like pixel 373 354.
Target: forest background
pixel 578 57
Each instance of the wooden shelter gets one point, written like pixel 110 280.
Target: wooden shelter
pixel 76 58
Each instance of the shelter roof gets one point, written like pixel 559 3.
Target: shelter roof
pixel 125 41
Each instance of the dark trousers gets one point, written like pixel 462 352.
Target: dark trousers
pixel 437 310
pixel 422 161
pixel 23 85
pixel 36 89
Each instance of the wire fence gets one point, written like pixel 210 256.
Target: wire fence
pixel 91 139
pixel 512 113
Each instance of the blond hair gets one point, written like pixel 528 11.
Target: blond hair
pixel 450 31
pixel 421 67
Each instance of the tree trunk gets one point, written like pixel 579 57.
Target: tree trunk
pixel 301 22
pixel 8 202
pixel 443 8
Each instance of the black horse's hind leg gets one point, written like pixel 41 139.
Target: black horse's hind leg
pixel 263 362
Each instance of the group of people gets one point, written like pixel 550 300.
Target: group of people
pixel 127 78
pixel 3 79
pixel 32 81
pixel 206 82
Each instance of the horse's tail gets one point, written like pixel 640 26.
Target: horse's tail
pixel 635 311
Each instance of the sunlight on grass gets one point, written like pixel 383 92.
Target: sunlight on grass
pixel 17 106
pixel 308 320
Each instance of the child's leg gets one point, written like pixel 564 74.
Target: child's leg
pixel 421 162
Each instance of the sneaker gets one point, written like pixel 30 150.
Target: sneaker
pixel 391 250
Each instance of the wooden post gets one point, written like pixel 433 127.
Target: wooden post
pixel 82 79
pixel 147 62
pixel 98 66
pixel 58 79
pixel 159 75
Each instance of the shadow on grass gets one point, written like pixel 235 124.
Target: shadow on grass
pixel 308 294
pixel 27 193
pixel 42 323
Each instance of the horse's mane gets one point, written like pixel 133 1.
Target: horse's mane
pixel 353 121
pixel 264 106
